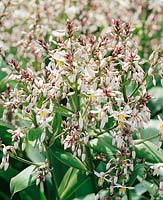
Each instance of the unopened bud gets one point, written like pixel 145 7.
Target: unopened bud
pixel 153 58
pixel 103 63
pixel 79 152
pixel 83 157
pixel 6 166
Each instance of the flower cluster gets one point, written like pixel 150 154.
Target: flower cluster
pixel 80 83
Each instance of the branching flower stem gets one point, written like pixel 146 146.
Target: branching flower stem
pixel 137 88
pixel 21 159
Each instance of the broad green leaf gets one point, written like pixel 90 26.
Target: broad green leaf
pixel 5 125
pixel 10 173
pixel 125 197
pixel 156 103
pixel 138 168
pixel 68 159
pixel 31 193
pixel 22 180
pixel 133 196
pixel 103 144
pixel 4 196
pixel 40 100
pixel 56 125
pixel 33 153
pixel 4 135
pixel 140 189
pixel 144 186
pixel 148 151
pixel 86 197
pixel 73 102
pixel 82 192
pixel 74 180
pixel 65 180
pixel 3 81
pixel 63 110
pixel 34 134
pixel 150 187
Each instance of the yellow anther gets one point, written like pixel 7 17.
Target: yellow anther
pixel 59 63
pixel 121 124
pixel 99 115
pixel 122 190
pixel 43 114
pixel 121 117
pixel 100 181
pixel 161 127
pixel 92 96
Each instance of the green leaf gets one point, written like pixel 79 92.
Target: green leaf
pixel 138 168
pixel 4 196
pixel 156 104
pixel 56 125
pixel 33 153
pixel 151 130
pixel 74 180
pixel 73 102
pixel 22 180
pixel 140 189
pixel 148 151
pixel 68 159
pixel 40 100
pixel 65 180
pixel 150 187
pixel 4 135
pixel 63 110
pixel 86 197
pixel 34 134
pixel 103 144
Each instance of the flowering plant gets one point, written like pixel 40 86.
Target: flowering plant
pixel 84 110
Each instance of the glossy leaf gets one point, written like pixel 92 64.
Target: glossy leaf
pixel 73 102
pixel 74 180
pixel 138 169
pixel 33 153
pixel 22 180
pixel 56 125
pixel 68 159
pixel 156 102
pixel 34 134
pixel 103 144
pixel 63 110
pixel 148 151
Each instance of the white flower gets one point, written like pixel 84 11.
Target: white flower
pixel 158 169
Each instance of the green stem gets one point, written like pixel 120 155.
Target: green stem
pixel 54 182
pixel 137 88
pixel 124 89
pixel 91 166
pixel 34 119
pixel 52 140
pixel 102 132
pixel 21 159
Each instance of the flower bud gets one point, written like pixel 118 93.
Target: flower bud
pixel 6 166
pixel 153 58
pixel 83 157
pixel 103 63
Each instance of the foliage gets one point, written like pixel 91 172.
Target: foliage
pixel 81 100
